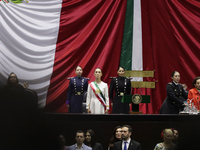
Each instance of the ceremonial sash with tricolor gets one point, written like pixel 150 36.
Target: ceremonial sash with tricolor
pixel 98 93
pixel 5 1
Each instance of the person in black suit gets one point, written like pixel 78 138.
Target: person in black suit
pixel 90 141
pixel 126 143
pixel 176 95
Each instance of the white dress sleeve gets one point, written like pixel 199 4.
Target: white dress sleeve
pixel 88 100
pixel 107 97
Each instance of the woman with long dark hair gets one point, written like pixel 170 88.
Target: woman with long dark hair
pixel 91 142
pixel 13 91
pixel 115 137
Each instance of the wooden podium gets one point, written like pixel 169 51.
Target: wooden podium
pixel 136 100
pixel 138 84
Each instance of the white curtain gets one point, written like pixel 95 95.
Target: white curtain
pixel 137 59
pixel 28 36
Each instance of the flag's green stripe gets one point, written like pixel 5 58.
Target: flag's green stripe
pixel 126 52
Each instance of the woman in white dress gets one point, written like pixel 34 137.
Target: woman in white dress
pixel 97 95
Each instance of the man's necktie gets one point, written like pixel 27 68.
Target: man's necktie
pixel 125 147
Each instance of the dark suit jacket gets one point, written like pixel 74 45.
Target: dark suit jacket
pixel 132 146
pixel 97 146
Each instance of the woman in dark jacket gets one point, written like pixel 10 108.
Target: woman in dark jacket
pixel 176 96
pixel 13 92
pixel 90 141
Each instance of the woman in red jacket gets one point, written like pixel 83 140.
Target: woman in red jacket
pixel 194 93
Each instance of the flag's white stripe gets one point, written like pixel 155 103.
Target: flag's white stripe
pixel 137 59
pixel 28 36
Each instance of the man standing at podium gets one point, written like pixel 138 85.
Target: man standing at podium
pixel 126 143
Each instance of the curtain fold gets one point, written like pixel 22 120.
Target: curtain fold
pixel 43 41
pixel 28 35
pixel 90 39
pixel 171 39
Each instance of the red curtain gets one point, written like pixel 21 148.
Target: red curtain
pixel 171 30
pixel 90 35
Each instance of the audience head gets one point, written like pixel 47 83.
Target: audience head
pixel 175 135
pixel 12 79
pixel 121 71
pixel 167 135
pixel 89 138
pixel 116 136
pixel 126 132
pixel 61 139
pixel 175 76
pixel 117 132
pixel 79 71
pixel 80 137
pixel 196 83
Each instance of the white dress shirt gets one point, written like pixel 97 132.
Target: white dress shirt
pixel 127 144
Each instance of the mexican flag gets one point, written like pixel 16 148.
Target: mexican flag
pixel 43 42
pixel 132 46
pixel 28 36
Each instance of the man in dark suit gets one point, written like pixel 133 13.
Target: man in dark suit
pixel 126 143
pixel 80 137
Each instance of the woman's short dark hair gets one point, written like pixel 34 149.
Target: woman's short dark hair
pixel 77 67
pixel 173 73
pixel 120 67
pixel 92 142
pixel 195 80
pixel 98 68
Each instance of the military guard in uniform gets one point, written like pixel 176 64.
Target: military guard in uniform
pixel 77 86
pixel 121 85
pixel 176 96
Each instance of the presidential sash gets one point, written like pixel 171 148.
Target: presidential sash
pixel 98 93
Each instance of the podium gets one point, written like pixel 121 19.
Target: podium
pixel 139 84
pixel 136 100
